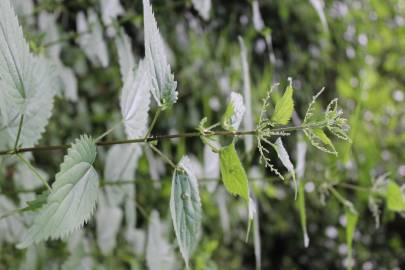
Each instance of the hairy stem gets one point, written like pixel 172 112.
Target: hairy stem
pixel 155 138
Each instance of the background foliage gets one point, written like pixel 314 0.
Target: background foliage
pixel 355 49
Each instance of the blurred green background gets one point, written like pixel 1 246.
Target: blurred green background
pixel 355 49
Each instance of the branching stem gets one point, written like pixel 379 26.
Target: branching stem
pixel 154 138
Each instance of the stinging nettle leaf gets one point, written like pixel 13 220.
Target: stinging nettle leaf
pixel 394 197
pixel 73 197
pixel 233 173
pixel 234 112
pixel 185 208
pixel 135 101
pixel 284 107
pixel 163 83
pixel 27 82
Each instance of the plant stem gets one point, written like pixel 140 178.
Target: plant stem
pixel 152 125
pixel 166 158
pixel 26 162
pixel 20 124
pixel 154 138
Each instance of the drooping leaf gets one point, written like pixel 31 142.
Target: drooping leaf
pixel 233 173
pixel 203 7
pixel 126 57
pixel 284 107
pixel 163 83
pixel 285 159
pixel 351 219
pixel 234 112
pixel 394 197
pixel 185 208
pixel 300 157
pixel 108 225
pixel 73 197
pixel 27 82
pixel 302 210
pixel 135 101
pixel 248 117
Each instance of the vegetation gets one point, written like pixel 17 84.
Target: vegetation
pixel 202 135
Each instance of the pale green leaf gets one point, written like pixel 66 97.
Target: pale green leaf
pixel 163 83
pixel 351 222
pixel 303 214
pixel 27 82
pixel 234 112
pixel 285 159
pixel 135 101
pixel 394 197
pixel 73 196
pixel 185 208
pixel 284 107
pixel 320 140
pixel 233 173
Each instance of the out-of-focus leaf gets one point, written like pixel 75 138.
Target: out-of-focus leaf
pixel 394 197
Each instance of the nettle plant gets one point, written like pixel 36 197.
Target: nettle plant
pixel 28 85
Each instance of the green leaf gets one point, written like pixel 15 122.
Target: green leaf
pixel 233 173
pixel 73 197
pixel 285 159
pixel 284 107
pixel 320 140
pixel 234 112
pixel 185 208
pixel 351 221
pixel 27 82
pixel 302 210
pixel 163 83
pixel 394 197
